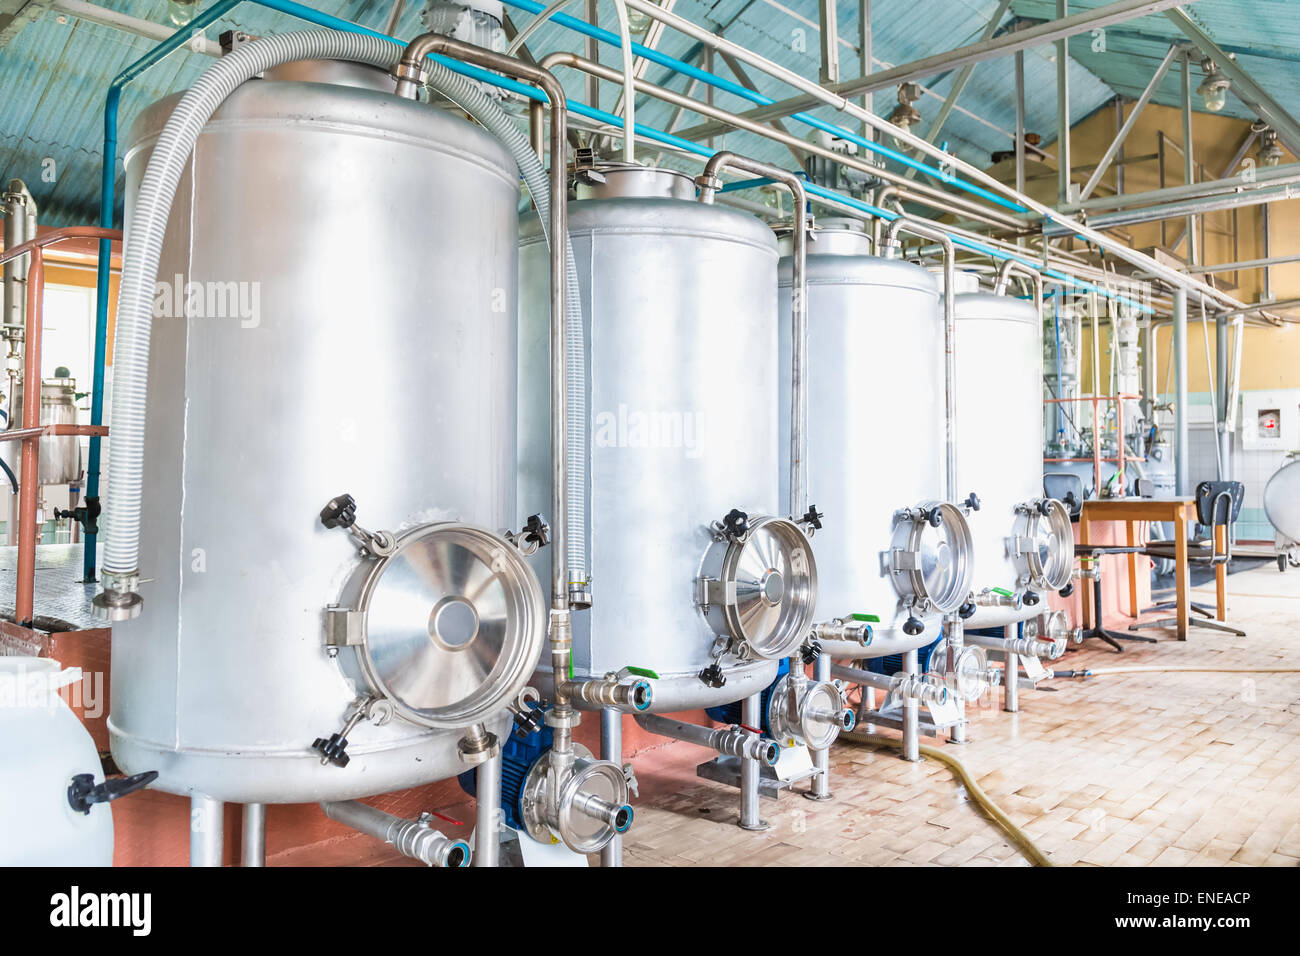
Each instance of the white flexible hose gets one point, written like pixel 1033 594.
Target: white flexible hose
pixel 1177 669
pixel 148 225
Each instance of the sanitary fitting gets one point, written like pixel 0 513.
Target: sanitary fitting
pixel 734 741
pixel 413 838
pixel 998 597
pixel 120 599
pixel 841 629
pixel 478 745
pixel 918 688
pixel 611 692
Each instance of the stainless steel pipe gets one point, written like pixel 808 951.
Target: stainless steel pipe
pixel 750 815
pixel 611 749
pixel 1010 681
pixel 253 847
pixel 412 838
pixel 709 182
pixel 728 741
pixel 487 812
pixel 207 836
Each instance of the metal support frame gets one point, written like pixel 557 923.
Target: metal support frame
pixel 611 749
pixel 1182 462
pixel 1118 142
pixel 1189 163
pixel 1011 676
pixel 1243 84
pixel 207 826
pixel 864 56
pixel 253 838
pixel 1020 120
pixel 1063 109
pixel 828 14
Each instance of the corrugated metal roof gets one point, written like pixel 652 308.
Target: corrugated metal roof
pixel 55 74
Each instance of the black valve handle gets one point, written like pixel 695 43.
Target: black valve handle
pixel 536 529
pixel 967 611
pixel 810 651
pixel 1067 590
pixel 1030 598
pixel 84 793
pixel 736 523
pixel 341 512
pixel 334 749
pixel 1045 507
pixel 934 518
pixel 913 626
pixel 972 501
pixel 814 517
pixel 713 676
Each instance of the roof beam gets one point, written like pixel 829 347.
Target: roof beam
pixel 1243 84
pixel 16 14
pixel 1004 45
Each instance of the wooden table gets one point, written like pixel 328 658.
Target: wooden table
pixel 1177 511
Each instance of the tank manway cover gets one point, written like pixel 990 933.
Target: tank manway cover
pixel 454 623
pixel 1282 500
pixel 766 587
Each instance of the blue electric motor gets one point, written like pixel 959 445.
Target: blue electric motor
pixel 518 754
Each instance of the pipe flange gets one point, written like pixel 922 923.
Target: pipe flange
pixel 120 598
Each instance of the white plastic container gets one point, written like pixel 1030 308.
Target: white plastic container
pixel 42 746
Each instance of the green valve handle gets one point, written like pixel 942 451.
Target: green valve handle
pixel 642 672
pixel 869 618
pixel 1004 592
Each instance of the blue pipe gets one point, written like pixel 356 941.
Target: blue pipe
pixel 744 92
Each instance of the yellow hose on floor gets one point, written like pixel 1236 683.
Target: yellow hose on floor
pixel 1182 669
pixel 1018 836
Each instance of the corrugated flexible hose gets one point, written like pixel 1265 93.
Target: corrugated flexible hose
pixel 148 224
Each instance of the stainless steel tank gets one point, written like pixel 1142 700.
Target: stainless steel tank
pixel 60 458
pixel 875 439
pixel 365 249
pixel 1282 502
pixel 679 303
pixel 1023 542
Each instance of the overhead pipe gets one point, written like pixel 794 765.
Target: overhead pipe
pixel 412 838
pixel 709 183
pixel 1021 201
pixel 915 192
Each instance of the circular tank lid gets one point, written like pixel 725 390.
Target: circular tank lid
pixel 775 587
pixel 1282 500
pixel 615 180
pixel 454 624
pixel 1044 544
pixel 361 76
pixel 1005 308
pixel 966 281
pixel 933 556
pixel 829 237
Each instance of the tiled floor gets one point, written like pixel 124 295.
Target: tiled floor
pixel 1171 768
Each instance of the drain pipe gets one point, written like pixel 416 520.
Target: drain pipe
pixel 893 249
pixel 412 838
pixel 732 741
pixel 709 183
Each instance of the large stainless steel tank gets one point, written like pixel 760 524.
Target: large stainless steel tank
pixel 371 245
pixel 60 457
pixel 875 436
pixel 679 303
pixel 1000 456
pixel 1282 501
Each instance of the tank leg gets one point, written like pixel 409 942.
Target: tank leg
pixel 953 628
pixel 253 851
pixel 1011 676
pixel 611 749
pixel 749 770
pixel 206 837
pixel 911 715
pixel 487 833
pixel 821 781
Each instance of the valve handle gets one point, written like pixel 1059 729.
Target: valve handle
pixel 713 676
pixel 1030 598
pixel 537 530
pixel 813 517
pixel 340 512
pixel 83 793
pixel 1044 507
pixel 972 501
pixel 933 517
pixel 913 626
pixel 810 651
pixel 1067 590
pixel 966 611
pixel 332 749
pixel 736 523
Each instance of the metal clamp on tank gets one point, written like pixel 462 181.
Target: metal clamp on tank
pixel 758 584
pixel 1042 544
pixel 930 560
pixel 443 622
